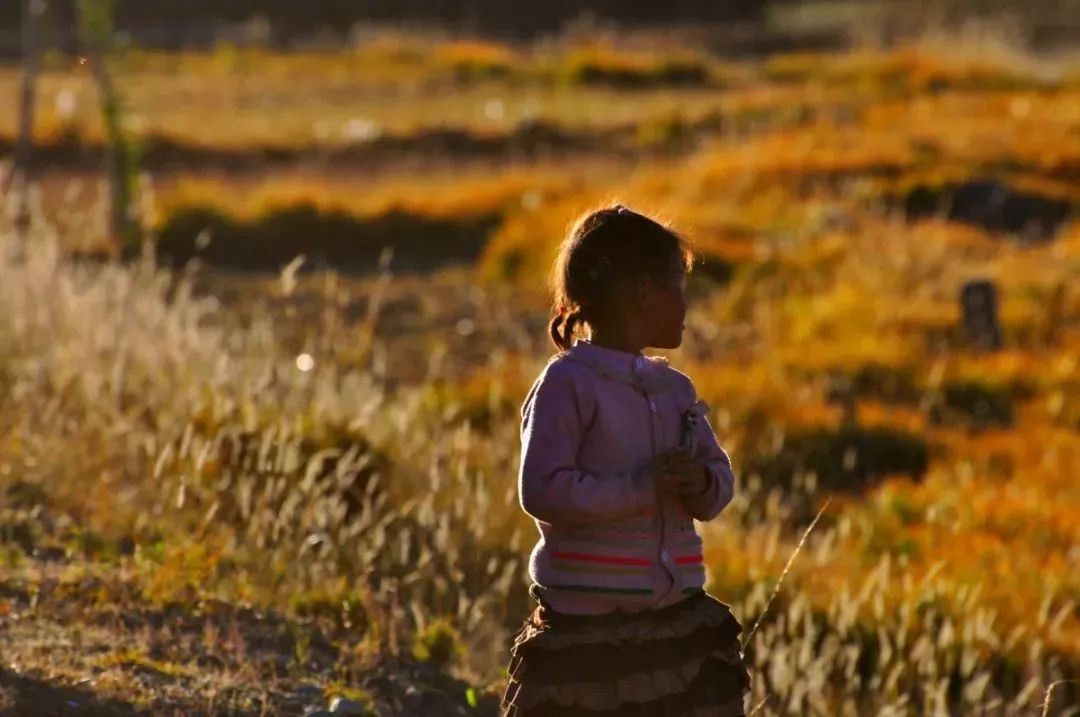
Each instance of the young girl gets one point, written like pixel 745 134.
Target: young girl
pixel 617 462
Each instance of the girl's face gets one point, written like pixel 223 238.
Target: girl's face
pixel 664 308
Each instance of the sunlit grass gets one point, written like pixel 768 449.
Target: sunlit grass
pixel 865 572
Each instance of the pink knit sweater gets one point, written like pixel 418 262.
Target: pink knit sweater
pixel 591 424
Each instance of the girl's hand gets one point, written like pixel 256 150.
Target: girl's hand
pixel 678 473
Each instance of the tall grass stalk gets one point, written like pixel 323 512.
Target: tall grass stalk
pixel 784 572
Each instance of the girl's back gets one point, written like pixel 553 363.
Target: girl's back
pixel 617 463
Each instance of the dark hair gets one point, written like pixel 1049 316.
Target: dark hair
pixel 605 253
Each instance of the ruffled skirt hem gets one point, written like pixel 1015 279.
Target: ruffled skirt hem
pixel 680 661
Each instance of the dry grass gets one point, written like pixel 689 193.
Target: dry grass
pixel 149 432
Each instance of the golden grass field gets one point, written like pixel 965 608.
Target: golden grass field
pixel 192 524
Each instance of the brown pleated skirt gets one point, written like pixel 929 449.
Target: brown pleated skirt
pixel 682 660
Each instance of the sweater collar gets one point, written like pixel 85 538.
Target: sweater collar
pixel 646 372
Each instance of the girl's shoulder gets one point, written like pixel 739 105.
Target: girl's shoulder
pixel 559 374
pixel 655 374
pixel 675 379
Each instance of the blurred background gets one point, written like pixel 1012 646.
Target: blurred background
pixel 273 288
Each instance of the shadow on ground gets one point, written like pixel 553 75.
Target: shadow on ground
pixel 22 696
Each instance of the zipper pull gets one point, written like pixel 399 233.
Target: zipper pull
pixel 686 436
pixel 690 417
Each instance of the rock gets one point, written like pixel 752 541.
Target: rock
pixel 437 703
pixel 308 691
pixel 342 706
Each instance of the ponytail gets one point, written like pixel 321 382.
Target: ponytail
pixel 562 328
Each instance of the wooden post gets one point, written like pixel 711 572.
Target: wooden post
pixel 96 35
pixel 840 392
pixel 24 147
pixel 979 304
